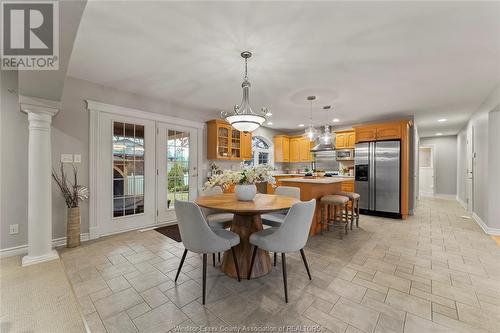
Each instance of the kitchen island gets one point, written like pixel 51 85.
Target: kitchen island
pixel 315 188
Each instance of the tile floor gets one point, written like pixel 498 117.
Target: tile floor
pixel 435 272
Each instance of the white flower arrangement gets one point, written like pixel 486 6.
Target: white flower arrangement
pixel 246 176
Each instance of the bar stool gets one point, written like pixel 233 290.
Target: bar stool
pixel 354 211
pixel 334 201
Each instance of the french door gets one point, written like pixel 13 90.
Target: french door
pixel 177 168
pixel 126 179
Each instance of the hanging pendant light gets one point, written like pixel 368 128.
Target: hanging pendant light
pixel 326 137
pixel 311 133
pixel 243 118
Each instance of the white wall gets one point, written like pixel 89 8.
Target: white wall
pixel 484 126
pixel 14 164
pixel 445 163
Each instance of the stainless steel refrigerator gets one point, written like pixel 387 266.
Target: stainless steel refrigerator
pixel 377 177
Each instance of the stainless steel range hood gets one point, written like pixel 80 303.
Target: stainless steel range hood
pixel 323 147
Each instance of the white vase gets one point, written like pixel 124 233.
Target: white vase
pixel 245 192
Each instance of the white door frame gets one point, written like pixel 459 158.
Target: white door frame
pixel 167 216
pixel 433 167
pixel 96 110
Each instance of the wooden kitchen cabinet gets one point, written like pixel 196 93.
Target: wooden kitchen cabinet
pixel 226 143
pixel 305 150
pixel 365 133
pixel 281 148
pixel 246 146
pixel 347 186
pixel 345 139
pixel 294 150
pixel 379 132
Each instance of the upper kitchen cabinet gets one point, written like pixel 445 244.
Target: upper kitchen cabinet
pixel 379 132
pixel 282 148
pixel 345 139
pixel 305 150
pixel 294 149
pixel 246 146
pixel 226 143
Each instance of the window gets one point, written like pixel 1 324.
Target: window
pixel 261 152
pixel 128 169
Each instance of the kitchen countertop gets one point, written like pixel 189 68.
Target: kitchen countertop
pixel 320 180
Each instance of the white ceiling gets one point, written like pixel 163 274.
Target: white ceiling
pixel 370 60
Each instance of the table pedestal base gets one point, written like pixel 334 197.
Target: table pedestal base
pixel 245 225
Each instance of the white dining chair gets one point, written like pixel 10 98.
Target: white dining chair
pixel 198 237
pixel 291 236
pixel 275 219
pixel 215 219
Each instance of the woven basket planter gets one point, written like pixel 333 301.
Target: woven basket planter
pixel 73 230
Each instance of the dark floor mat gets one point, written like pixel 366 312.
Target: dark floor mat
pixel 171 231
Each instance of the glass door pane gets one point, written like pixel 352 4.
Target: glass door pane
pixel 178 145
pixel 128 169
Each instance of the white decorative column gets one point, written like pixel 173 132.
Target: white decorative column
pixel 40 113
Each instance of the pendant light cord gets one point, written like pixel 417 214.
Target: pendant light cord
pixel 246 70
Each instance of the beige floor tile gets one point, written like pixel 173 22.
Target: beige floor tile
pixel 433 298
pixel 409 303
pixel 392 281
pixel 347 289
pixel 116 303
pixel 462 295
pixel 119 323
pixel 184 294
pixel 138 310
pixel 161 319
pixel 479 317
pixel 154 297
pixel 142 282
pixel 456 325
pixel 329 322
pixel 355 314
pixel 415 324
pixel 117 284
pixel 444 310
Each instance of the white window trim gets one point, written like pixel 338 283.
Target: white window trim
pixel 270 150
pixel 95 109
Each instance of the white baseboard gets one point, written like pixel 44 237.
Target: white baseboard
pixel 486 229
pixel 445 196
pixel 23 249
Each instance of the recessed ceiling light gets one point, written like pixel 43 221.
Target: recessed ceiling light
pixel 269 114
pixel 269 122
pixel 442 120
pixel 336 120
pixel 439 134
pixel 301 125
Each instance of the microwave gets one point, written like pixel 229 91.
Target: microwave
pixel 345 155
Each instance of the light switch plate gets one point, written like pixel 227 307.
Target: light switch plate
pixel 77 158
pixel 66 158
pixel 13 229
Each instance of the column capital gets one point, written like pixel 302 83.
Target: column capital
pixel 36 105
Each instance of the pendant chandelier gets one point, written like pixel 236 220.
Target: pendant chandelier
pixel 243 118
pixel 311 133
pixel 326 137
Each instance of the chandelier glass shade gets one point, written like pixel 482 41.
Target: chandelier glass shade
pixel 243 118
pixel 311 133
pixel 327 135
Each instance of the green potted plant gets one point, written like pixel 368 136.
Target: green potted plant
pixel 73 194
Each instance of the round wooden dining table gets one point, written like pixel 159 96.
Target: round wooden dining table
pixel 246 221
